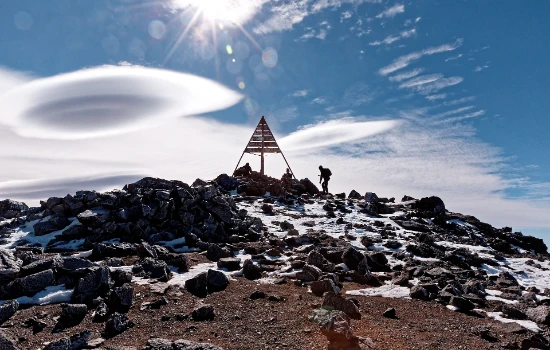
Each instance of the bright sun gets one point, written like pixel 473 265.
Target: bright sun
pixel 225 11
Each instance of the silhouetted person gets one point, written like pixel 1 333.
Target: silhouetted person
pixel 287 175
pixel 247 170
pixel 324 178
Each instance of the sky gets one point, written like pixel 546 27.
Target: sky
pixel 418 98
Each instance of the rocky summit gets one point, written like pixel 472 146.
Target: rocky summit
pixel 252 262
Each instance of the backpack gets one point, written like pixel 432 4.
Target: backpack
pixel 328 172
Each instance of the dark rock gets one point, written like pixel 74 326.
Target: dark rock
pixel 122 276
pixel 28 286
pixel 432 204
pixel 318 288
pixel 43 228
pixel 231 264
pixel 257 295
pixel 156 304
pixel 352 257
pixel 418 292
pixel 121 298
pixel 215 252
pixel 354 195
pixel 9 266
pixel 505 279
pixel 152 268
pixel 512 312
pixel 462 304
pixel 164 344
pixel 73 313
pixel 116 324
pixel 94 218
pixel 203 313
pixel 102 251
pixel 540 314
pixel 216 281
pixel 7 310
pixel 251 271
pixel 101 312
pixel 309 273
pixel 337 302
pixel 389 313
pixel 198 285
pixel 94 284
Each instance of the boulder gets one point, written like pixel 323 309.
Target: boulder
pixel 432 204
pixel 319 288
pixel 231 264
pixel 93 218
pixel 512 312
pixel 251 271
pixel 116 324
pixel 75 342
pixel 9 266
pixel 94 284
pixel 352 257
pixel 215 252
pixel 309 273
pixel 216 281
pixel 418 292
pixel 164 344
pixel 198 285
pixel 152 268
pixel 203 313
pixel 121 298
pixel 7 310
pixel 43 228
pixel 390 313
pixel 462 304
pixel 28 286
pixel 539 314
pixel 337 302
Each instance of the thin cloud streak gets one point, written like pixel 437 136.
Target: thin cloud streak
pixel 406 75
pixel 392 11
pixel 404 61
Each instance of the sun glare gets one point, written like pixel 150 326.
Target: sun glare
pixel 229 12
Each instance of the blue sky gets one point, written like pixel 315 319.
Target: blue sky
pixel 425 97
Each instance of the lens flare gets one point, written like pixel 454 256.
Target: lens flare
pixel 270 57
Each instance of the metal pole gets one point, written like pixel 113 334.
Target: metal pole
pixel 287 163
pixel 262 165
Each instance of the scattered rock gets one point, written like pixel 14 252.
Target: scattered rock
pixel 390 313
pixel 116 324
pixel 7 310
pixel 539 314
pixel 337 302
pixel 203 313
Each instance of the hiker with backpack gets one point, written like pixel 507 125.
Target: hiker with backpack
pixel 324 178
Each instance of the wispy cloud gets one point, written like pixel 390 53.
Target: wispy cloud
pixel 285 114
pixel 319 101
pixel 421 80
pixel 459 101
pixel 452 58
pixel 392 11
pixel 433 87
pixel 404 61
pixel 345 15
pixel 452 112
pixel 393 38
pixel 406 75
pixel 436 97
pixel 284 17
pixel 464 117
pixel 483 67
pixel 300 93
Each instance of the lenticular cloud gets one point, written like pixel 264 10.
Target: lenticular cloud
pixel 333 133
pixel 109 100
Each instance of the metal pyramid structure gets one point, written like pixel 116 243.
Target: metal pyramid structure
pixel 262 142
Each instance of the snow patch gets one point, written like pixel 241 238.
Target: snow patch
pixel 50 295
pixel 388 291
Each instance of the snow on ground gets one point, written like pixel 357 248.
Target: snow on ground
pixel 493 294
pixel 25 233
pixel 526 275
pixel 530 325
pixel 177 245
pixel 388 291
pixel 50 295
pixel 471 248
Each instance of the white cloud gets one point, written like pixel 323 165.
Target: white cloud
pixel 417 19
pixel 436 97
pixel 454 111
pixel 404 61
pixel 284 17
pixel 300 93
pixel 439 84
pixel 406 75
pixel 323 4
pixel 452 58
pixel 319 101
pixel 392 11
pixel 10 80
pixel 480 68
pixel 421 80
pixel 108 100
pixel 464 117
pixel 345 15
pixel 393 38
pixel 285 114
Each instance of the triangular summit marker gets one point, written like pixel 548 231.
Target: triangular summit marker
pixel 262 142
